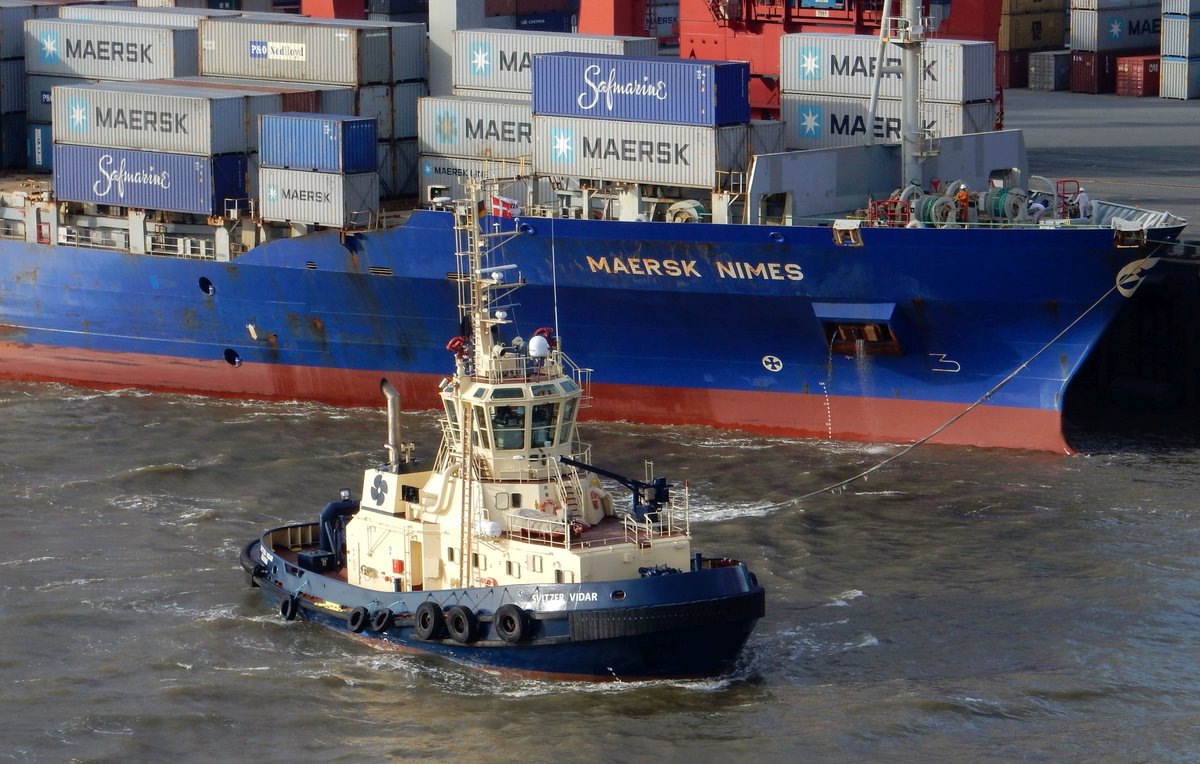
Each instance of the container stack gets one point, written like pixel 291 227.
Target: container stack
pixel 12 85
pixel 825 81
pixel 1026 26
pixel 1138 75
pixel 1050 70
pixel 1180 49
pixel 383 63
pixel 1102 31
pixel 318 169
pixel 660 121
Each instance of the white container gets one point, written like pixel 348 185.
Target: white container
pixel 318 198
pixel 639 152
pixel 1183 7
pixel 1104 5
pixel 107 51
pixel 1181 36
pixel 1179 78
pixel 1106 31
pixel 166 16
pixel 821 122
pixel 478 128
pixel 485 93
pixel 956 71
pixel 447 177
pixel 499 59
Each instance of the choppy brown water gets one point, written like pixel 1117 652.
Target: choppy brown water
pixel 961 605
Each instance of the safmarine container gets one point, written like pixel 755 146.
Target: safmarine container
pixel 1050 70
pixel 1180 36
pixel 638 152
pixel 682 91
pixel 475 127
pixel 109 51
pixel 299 49
pixel 149 180
pixel 838 64
pixel 318 198
pixel 154 15
pixel 317 142
pixel 502 59
pixel 819 122
pixel 151 117
pixel 1124 29
pixel 1180 78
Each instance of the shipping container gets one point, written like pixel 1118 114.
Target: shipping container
pixel 562 22
pixel 318 142
pixel 148 179
pixel 1125 29
pixel 1012 69
pixel 486 93
pixel 1050 70
pixel 291 98
pixel 397 6
pixel 337 200
pixel 1180 36
pixel 1179 78
pixel 1137 76
pixel 1093 72
pixel 839 64
pixel 1031 31
pixel 163 16
pixel 375 102
pixel 474 127
pixel 447 178
pixel 39 92
pixel 107 51
pixel 154 117
pixel 397 169
pixel 13 90
pixel 499 59
pixel 680 91
pixel 406 97
pixel 639 152
pixel 300 49
pixel 39 148
pixel 820 121
pixel 13 140
pixel 1105 5
pixel 1181 7
pixel 1014 7
pixel 767 136
pixel 12 29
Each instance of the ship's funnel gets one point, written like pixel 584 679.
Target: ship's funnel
pixel 393 420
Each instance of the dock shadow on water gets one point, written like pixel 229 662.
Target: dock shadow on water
pixel 959 604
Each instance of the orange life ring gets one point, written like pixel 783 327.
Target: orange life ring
pixel 456 345
pixel 548 506
pixel 489 582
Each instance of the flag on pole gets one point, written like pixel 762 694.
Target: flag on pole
pixel 503 207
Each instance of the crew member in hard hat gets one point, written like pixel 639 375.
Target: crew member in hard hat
pixel 1084 203
pixel 963 200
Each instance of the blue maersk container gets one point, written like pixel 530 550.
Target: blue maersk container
pixel 321 142
pixel 665 90
pixel 151 180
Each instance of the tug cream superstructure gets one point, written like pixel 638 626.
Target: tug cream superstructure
pixel 509 553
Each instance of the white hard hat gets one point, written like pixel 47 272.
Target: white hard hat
pixel 1081 188
pixel 964 185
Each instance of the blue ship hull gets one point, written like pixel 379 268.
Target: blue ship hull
pixel 725 325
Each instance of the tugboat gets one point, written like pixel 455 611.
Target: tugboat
pixel 510 555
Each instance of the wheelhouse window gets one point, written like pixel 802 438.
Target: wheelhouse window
pixel 479 433
pixel 870 338
pixel 544 421
pixel 508 427
pixel 568 420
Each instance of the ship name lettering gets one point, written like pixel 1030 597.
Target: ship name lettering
pixel 118 176
pixel 643 266
pixel 110 50
pixel 631 150
pixel 764 271
pixel 499 130
pixel 549 597
pixel 610 87
pixel 515 61
pixel 141 120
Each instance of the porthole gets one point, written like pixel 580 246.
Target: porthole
pixel 618 594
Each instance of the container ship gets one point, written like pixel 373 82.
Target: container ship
pixel 858 269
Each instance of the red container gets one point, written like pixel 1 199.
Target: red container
pixel 1093 72
pixel 1138 75
pixel 1012 69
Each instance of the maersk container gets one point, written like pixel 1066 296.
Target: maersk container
pixel 639 152
pixel 156 16
pixel 151 180
pixel 820 122
pixel 12 31
pixel 502 59
pixel 39 94
pixel 1180 36
pixel 956 71
pixel 1181 7
pixel 447 178
pixel 1112 30
pixel 331 199
pixel 1179 78
pixel 300 49
pixel 486 128
pixel 682 91
pixel 13 91
pixel 151 117
pixel 317 142
pixel 40 147
pixel 108 51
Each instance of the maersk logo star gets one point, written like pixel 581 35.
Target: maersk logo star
pixel 1116 27
pixel 446 126
pixel 49 43
pixel 563 144
pixel 810 121
pixel 810 63
pixel 481 59
pixel 427 168
pixel 272 193
pixel 77 114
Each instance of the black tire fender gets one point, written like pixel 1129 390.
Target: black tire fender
pixel 462 624
pixel 358 619
pixel 511 623
pixel 429 621
pixel 289 608
pixel 381 620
